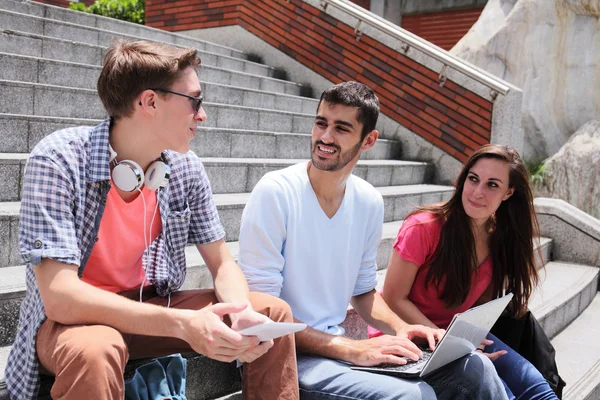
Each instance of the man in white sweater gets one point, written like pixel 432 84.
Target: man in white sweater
pixel 309 235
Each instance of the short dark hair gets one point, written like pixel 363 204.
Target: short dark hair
pixel 355 94
pixel 129 68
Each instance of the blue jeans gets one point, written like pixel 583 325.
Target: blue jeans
pixel 471 377
pixel 521 379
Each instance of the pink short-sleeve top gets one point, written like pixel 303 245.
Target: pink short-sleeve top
pixel 416 242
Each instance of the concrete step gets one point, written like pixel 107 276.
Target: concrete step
pixel 33 69
pixel 61 23
pixel 238 175
pixel 398 200
pixel 20 133
pixel 578 354
pixel 242 143
pixel 29 44
pixel 34 45
pixel 40 99
pixel 566 290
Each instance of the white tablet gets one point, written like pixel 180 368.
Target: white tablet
pixel 272 330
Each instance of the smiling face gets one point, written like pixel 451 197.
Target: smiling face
pixel 486 186
pixel 177 118
pixel 336 137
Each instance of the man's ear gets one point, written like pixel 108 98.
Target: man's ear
pixel 369 140
pixel 508 194
pixel 147 102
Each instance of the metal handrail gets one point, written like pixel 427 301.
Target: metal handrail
pixel 408 39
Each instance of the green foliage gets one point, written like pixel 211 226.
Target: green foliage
pixel 77 6
pixel 126 10
pixel 536 171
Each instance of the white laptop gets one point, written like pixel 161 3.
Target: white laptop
pixel 464 334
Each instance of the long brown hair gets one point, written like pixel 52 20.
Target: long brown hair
pixel 513 231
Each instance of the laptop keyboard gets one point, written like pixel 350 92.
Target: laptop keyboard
pixel 409 363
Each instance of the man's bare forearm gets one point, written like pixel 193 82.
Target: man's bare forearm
pixel 230 283
pixel 70 301
pixel 312 341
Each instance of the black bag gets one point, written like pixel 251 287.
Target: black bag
pixel 526 336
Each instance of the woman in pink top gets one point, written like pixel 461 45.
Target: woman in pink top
pixel 469 250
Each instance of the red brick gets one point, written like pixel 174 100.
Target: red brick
pixel 455 87
pixel 471 115
pixel 435 86
pixel 429 119
pixel 401 77
pixel 178 9
pixel 308 8
pixel 425 133
pixel 459 136
pixel 344 77
pixel 485 114
pixel 480 101
pixel 444 100
pixel 431 102
pixel 457 145
pixel 437 115
pixel 413 91
pixel 467 104
pixel 481 131
pixel 393 88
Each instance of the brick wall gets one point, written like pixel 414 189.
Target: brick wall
pixel 366 4
pixel 444 29
pixel 451 117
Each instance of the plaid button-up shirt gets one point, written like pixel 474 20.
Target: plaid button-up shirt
pixel 67 179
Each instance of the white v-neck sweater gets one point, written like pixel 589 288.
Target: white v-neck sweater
pixel 290 249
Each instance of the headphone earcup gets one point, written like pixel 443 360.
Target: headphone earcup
pixel 157 175
pixel 128 175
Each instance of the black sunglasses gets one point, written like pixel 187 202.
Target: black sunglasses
pixel 196 101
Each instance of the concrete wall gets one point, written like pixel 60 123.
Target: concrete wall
pixel 576 234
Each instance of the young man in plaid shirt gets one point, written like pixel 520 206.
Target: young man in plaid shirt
pixel 105 246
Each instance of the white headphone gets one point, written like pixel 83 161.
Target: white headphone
pixel 129 176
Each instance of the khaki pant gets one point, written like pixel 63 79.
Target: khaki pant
pixel 89 360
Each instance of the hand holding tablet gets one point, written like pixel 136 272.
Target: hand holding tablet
pixel 272 330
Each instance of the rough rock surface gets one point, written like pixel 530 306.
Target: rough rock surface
pixel 550 49
pixel 573 174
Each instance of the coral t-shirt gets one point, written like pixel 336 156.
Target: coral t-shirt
pixel 115 264
pixel 416 242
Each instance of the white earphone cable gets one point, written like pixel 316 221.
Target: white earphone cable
pixel 147 239
pixel 145 244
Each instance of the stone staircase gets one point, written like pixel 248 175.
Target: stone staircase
pixel 257 122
